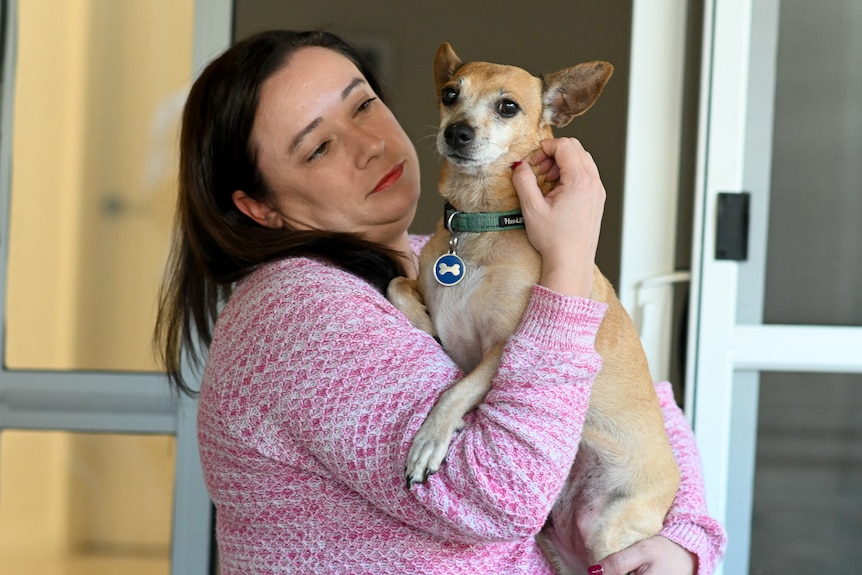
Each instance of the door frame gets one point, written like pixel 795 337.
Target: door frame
pixel 115 402
pixel 728 343
pixel 652 166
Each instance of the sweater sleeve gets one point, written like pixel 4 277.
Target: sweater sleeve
pixel 347 382
pixel 687 523
pixel 508 465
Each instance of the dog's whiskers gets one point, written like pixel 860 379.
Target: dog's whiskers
pixel 432 136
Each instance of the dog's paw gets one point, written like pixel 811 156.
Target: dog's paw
pixel 428 451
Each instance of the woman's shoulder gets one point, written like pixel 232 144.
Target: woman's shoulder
pixel 302 277
pixel 295 296
pixel 300 290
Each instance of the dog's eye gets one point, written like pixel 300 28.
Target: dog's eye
pixel 507 108
pixel 449 95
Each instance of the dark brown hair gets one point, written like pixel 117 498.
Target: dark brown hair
pixel 214 244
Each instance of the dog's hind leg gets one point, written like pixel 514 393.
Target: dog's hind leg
pixel 613 510
pixel 624 522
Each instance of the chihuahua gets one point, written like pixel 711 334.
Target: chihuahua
pixel 473 289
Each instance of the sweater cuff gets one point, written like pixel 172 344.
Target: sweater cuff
pixel 558 321
pixel 696 538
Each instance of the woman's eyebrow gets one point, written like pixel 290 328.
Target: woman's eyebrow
pixel 308 129
pixel 316 122
pixel 351 86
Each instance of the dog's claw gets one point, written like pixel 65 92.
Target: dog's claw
pixel 429 448
pixel 411 481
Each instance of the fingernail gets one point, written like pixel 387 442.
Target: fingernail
pixel 516 164
pixel 596 570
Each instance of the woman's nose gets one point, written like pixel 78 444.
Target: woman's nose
pixel 370 145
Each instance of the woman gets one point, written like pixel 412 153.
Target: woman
pixel 297 187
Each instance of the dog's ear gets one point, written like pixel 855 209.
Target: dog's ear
pixel 446 62
pixel 571 92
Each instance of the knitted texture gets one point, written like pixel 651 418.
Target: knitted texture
pixel 687 523
pixel 314 387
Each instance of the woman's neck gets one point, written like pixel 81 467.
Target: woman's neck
pixel 408 259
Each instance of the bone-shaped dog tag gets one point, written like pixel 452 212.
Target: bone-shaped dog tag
pixel 449 269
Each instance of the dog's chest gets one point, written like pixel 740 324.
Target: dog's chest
pixel 455 318
pixel 485 307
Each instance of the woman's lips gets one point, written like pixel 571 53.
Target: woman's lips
pixel 390 178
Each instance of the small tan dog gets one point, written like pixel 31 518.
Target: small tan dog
pixel 476 287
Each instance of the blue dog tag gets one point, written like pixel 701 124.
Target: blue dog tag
pixel 449 269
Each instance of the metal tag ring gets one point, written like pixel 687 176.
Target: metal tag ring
pixel 449 221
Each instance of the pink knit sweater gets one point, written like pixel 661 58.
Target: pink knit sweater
pixel 314 387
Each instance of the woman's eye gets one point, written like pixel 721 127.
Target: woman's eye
pixel 366 104
pixel 320 151
pixel 508 108
pixel 448 96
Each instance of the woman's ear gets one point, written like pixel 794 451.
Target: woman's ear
pixel 261 212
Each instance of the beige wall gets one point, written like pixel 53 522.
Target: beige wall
pixel 542 37
pixel 98 92
pixel 98 89
pixel 46 179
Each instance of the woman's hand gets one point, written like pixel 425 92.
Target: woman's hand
pixel 653 556
pixel 564 225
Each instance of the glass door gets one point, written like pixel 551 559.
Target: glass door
pixel 776 355
pixel 99 469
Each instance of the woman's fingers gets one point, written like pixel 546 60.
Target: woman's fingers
pixel 652 556
pixel 563 226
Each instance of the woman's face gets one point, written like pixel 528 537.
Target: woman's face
pixel 332 153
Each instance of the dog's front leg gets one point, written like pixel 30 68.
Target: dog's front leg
pixel 447 416
pixel 404 294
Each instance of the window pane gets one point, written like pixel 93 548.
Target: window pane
pixel 808 482
pixel 99 87
pixel 813 271
pixel 85 504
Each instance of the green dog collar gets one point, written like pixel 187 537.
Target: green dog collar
pixel 477 222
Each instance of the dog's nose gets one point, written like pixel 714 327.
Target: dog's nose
pixel 458 135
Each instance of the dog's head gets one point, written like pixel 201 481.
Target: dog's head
pixel 492 115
